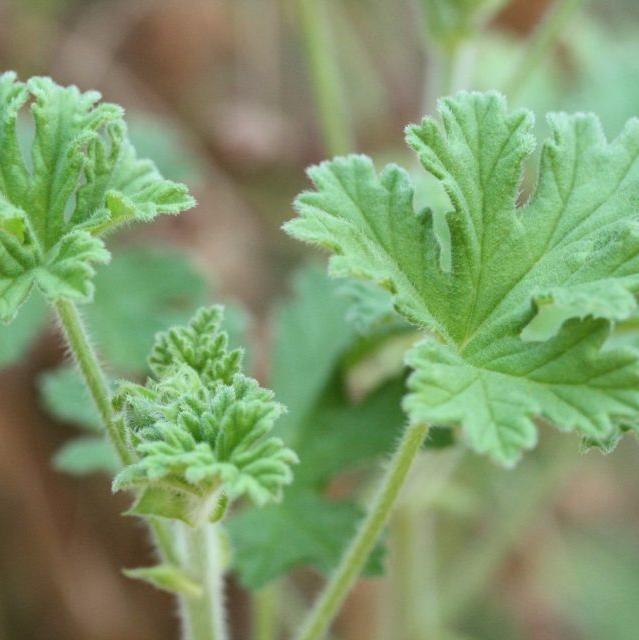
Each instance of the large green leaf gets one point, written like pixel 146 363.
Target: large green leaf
pixel 573 246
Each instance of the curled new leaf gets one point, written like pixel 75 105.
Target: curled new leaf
pixel 200 428
pixel 517 322
pixel 82 178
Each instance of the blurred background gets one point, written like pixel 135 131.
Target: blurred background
pixel 226 95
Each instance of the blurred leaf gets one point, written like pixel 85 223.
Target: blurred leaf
pixel 310 336
pixel 594 581
pixel 160 139
pixel 310 530
pixel 16 338
pixel 144 290
pixel 65 397
pixel 86 455
pixel 340 435
pixel 448 22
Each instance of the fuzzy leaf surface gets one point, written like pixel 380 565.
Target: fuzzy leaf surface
pixel 496 356
pixel 200 427
pixel 81 178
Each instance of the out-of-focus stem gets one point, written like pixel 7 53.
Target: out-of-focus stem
pixel 541 41
pixel 475 568
pixel 325 76
pixel 265 621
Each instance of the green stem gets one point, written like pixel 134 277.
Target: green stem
pixel 198 551
pixel 96 381
pixel 330 601
pixel 325 76
pixel 201 555
pixel 540 43
pixel 265 625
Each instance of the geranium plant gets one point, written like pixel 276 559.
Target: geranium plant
pixel 500 307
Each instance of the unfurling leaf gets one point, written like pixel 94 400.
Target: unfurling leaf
pixel 200 428
pixel 516 326
pixel 82 178
pixel 167 577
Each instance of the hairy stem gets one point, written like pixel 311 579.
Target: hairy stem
pixel 201 554
pixel 331 599
pixel 325 77
pixel 196 551
pixel 89 365
pixel 540 43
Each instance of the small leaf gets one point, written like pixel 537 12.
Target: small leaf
pixel 68 271
pixel 167 577
pixel 87 455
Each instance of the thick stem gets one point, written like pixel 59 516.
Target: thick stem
pixel 96 381
pixel 539 44
pixel 201 554
pixel 325 76
pixel 352 563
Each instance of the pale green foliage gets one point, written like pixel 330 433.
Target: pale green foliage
pixel 143 291
pixel 200 428
pixel 85 455
pixel 314 531
pixel 450 21
pixel 81 178
pixel 567 260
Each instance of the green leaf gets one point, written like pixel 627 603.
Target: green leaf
pixel 200 428
pixel 86 455
pixel 144 290
pixel 17 337
pixel 340 435
pixel 574 238
pixel 65 396
pixel 314 317
pixel 371 308
pixel 167 577
pixel 82 179
pixel 313 531
pixel 330 432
